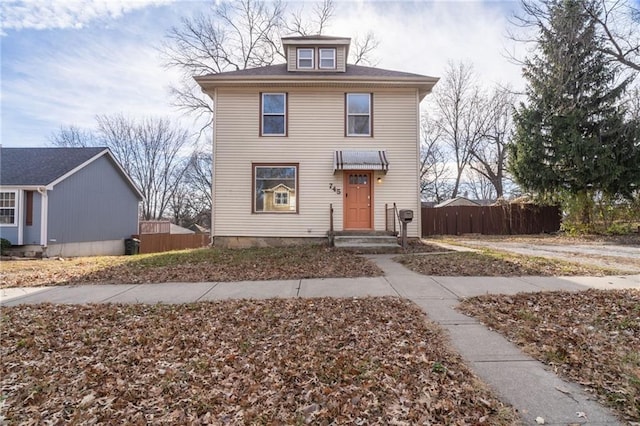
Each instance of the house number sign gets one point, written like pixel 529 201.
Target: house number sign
pixel 335 189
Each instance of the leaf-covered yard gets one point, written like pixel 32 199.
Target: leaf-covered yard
pixel 209 264
pixel 320 361
pixel 590 337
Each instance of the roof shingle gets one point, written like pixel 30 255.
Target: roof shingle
pixel 280 70
pixel 40 166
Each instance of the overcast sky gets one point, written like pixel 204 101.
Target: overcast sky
pixel 66 61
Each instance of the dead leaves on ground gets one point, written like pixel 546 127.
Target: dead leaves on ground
pixel 591 337
pixel 297 361
pixel 494 264
pixel 211 264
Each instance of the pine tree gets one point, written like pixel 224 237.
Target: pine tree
pixel 571 138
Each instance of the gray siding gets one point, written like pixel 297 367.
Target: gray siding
pixel 31 234
pixel 9 233
pixel 94 204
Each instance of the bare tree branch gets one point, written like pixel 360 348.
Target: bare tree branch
pixel 363 48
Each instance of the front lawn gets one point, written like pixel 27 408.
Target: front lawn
pixel 590 337
pixel 208 264
pixel 295 361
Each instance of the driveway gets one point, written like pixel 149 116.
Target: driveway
pixel 624 257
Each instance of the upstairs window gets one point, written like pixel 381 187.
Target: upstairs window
pixel 274 114
pixel 328 58
pixel 358 114
pixel 8 208
pixel 305 58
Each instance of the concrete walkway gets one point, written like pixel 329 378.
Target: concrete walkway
pixel 516 378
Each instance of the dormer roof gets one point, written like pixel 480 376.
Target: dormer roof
pixel 315 41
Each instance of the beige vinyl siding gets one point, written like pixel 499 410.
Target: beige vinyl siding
pixel 292 58
pixel 341 61
pixel 315 130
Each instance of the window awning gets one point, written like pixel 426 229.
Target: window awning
pixel 360 160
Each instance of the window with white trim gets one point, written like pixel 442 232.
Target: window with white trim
pixel 281 198
pixel 8 207
pixel 358 114
pixel 327 58
pixel 273 114
pixel 305 59
pixel 275 188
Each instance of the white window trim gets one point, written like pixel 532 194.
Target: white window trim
pixel 333 57
pixel 16 201
pixel 275 198
pixel 262 115
pixel 368 134
pixel 300 49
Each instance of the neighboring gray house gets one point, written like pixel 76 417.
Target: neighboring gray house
pixel 66 201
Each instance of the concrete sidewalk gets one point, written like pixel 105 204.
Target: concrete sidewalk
pixel 517 379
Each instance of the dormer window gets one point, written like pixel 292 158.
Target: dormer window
pixel 327 58
pixel 305 58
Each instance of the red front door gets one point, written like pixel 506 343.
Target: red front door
pixel 357 200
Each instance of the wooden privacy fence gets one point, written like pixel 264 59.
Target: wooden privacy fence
pixel 510 219
pixel 156 243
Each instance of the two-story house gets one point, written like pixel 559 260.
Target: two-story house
pixel 292 140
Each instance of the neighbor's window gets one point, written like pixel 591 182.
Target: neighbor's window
pixel 305 58
pixel 358 114
pixel 275 188
pixel 274 114
pixel 281 198
pixel 328 58
pixel 8 208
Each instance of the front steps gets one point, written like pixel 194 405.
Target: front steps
pixel 367 241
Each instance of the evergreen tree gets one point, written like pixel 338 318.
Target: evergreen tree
pixel 571 138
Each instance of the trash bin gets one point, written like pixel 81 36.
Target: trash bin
pixel 131 246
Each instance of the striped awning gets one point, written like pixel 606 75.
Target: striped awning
pixel 360 160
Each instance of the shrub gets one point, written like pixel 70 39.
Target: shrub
pixel 4 245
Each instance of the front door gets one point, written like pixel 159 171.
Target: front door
pixel 357 200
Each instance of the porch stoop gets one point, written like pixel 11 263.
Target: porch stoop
pixel 366 241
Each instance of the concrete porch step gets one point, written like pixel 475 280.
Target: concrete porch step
pixel 367 242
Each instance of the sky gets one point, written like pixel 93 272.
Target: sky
pixel 63 62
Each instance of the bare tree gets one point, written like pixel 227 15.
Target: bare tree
pixel 489 155
pixel 233 36
pixel 435 179
pixel 241 34
pixel 363 49
pixel 458 116
pixel 304 25
pixel 151 151
pixel 198 179
pixel 478 187
pixel 618 23
pixel 73 136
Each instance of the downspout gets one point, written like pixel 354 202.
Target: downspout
pixel 44 219
pixel 20 217
pixel 213 168
pixel 418 214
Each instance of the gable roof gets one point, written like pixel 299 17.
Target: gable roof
pixel 278 74
pixel 47 166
